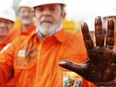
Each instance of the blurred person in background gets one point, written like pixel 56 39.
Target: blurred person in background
pixel 25 22
pixel 7 19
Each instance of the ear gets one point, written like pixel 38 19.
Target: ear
pixel 34 14
pixel 63 15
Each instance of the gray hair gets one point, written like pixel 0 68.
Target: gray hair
pixel 62 9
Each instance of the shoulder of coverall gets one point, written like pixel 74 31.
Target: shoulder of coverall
pixel 64 36
pixel 74 44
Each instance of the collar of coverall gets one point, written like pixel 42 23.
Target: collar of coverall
pixel 60 35
pixel 52 33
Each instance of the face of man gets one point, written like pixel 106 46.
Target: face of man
pixel 26 15
pixel 5 27
pixel 48 18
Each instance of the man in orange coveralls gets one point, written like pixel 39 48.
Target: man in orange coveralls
pixel 33 61
pixel 26 14
pixel 7 19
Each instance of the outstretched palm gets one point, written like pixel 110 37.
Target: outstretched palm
pixel 100 66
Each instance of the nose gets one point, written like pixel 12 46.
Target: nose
pixel 2 24
pixel 25 13
pixel 46 12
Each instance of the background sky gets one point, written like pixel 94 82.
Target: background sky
pixel 85 9
pixel 81 9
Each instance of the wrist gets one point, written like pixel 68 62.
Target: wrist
pixel 106 84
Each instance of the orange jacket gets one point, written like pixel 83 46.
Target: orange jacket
pixel 35 62
pixel 3 44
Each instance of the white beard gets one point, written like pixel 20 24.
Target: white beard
pixel 47 28
pixel 26 22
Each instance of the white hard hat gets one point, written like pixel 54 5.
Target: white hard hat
pixel 43 2
pixel 8 13
pixel 25 3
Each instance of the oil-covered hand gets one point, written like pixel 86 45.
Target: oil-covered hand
pixel 100 67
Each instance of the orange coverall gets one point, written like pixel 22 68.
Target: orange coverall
pixel 34 63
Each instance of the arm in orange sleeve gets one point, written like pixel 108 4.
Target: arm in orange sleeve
pixel 6 64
